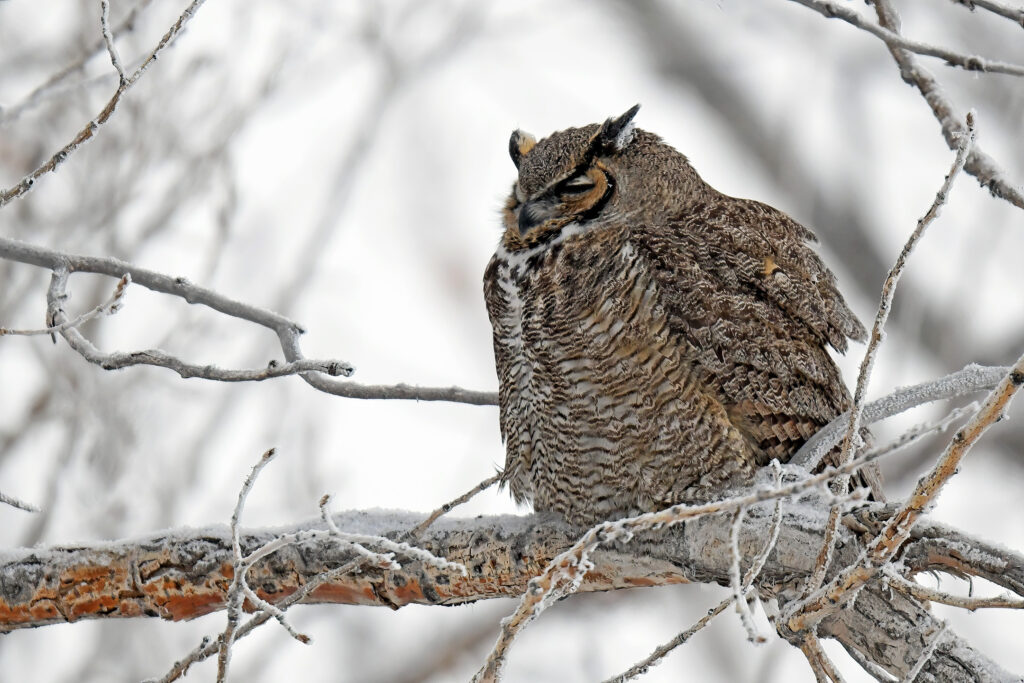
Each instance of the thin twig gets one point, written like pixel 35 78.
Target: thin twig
pixel 736 583
pixel 817 576
pixel 889 291
pixel 418 530
pixel 895 40
pixel 108 307
pixel 312 371
pixel 659 653
pixel 979 164
pixel 108 39
pixel 905 585
pixel 844 587
pixel 756 566
pixel 875 670
pixel 89 131
pixel 17 503
pixel 235 593
pixel 971 379
pixel 420 554
pixel 1015 14
pixel 917 432
pixel 10 113
pixel 57 295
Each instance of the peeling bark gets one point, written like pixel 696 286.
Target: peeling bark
pixel 185 574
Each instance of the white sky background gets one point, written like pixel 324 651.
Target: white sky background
pixel 396 287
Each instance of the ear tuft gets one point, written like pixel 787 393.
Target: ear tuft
pixel 519 145
pixel 616 134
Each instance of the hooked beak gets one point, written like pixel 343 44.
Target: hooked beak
pixel 530 216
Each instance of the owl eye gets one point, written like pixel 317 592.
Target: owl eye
pixel 575 186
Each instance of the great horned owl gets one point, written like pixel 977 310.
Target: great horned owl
pixel 655 339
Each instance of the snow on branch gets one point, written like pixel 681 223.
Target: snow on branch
pixel 844 587
pixel 979 164
pixel 184 574
pixel 1015 14
pixel 852 438
pixel 970 380
pixel 108 39
pixel 316 373
pixel 893 39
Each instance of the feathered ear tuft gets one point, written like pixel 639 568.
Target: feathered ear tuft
pixel 519 145
pixel 616 134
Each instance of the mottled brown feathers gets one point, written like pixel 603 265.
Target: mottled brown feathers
pixel 655 340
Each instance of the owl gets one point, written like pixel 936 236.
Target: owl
pixel 656 341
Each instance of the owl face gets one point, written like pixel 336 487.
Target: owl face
pixel 563 179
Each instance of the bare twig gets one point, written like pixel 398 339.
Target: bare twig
pixel 971 379
pixel 736 583
pixel 895 40
pixel 1015 14
pixel 759 561
pixel 108 39
pixel 288 332
pixel 874 342
pixel 108 307
pixel 127 24
pixel 420 554
pixel 756 566
pixel 90 128
pixel 889 291
pixel 902 583
pixel 844 587
pixel 17 503
pixel 418 530
pixel 875 670
pixel 979 164
pixel 236 594
pixel 57 294
pixel 920 431
pixel 640 668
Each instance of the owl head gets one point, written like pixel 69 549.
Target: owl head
pixel 583 175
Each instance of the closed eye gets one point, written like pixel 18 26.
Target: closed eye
pixel 578 185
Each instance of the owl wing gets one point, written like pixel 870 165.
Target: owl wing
pixel 756 307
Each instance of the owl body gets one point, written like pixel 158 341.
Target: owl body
pixel 655 340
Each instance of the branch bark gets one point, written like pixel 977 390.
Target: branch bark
pixel 182 575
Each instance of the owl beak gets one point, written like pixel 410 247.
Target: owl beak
pixel 529 217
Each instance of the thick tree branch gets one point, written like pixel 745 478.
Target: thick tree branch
pixel 187 574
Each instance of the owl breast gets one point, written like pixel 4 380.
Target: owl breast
pixel 601 409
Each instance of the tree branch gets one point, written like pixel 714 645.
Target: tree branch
pixel 90 128
pixel 979 164
pixel 896 41
pixel 182 575
pixel 288 332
